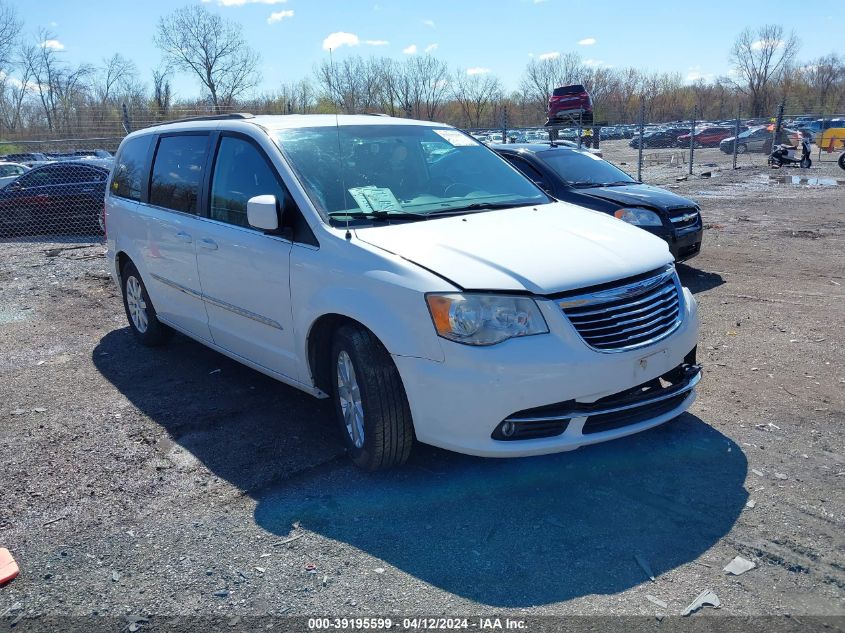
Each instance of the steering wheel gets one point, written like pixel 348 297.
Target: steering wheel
pixel 453 186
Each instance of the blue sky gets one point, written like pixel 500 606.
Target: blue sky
pixel 692 38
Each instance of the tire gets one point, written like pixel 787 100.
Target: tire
pixel 806 163
pixel 742 148
pixel 842 161
pixel 140 312
pixel 382 435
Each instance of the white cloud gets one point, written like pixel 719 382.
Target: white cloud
pixel 694 74
pixel 477 70
pixel 759 44
pixel 340 38
pixel 240 3
pixel 55 45
pixel 430 48
pixel 278 16
pixel 587 41
pixel 410 50
pixel 376 42
pixel 551 55
pixel 597 63
pixel 429 23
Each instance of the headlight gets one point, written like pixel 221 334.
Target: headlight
pixel 639 217
pixel 484 319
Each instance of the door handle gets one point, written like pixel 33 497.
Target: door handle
pixel 209 244
pixel 184 237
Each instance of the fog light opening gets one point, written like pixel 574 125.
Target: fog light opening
pixel 508 429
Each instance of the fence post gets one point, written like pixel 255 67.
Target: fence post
pixel 736 132
pixel 580 129
pixel 692 137
pixel 778 123
pixel 505 123
pixel 640 144
pixel 127 125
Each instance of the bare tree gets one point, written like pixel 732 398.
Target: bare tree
pixel 195 40
pixel 475 93
pixel 428 80
pixel 10 28
pixel 759 58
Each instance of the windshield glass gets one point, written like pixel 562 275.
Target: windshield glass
pixel 407 170
pixel 582 168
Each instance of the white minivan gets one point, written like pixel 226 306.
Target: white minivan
pixel 406 271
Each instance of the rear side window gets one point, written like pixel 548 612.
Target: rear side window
pixel 240 172
pixel 177 172
pixel 129 168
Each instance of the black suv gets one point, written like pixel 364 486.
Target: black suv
pixel 582 178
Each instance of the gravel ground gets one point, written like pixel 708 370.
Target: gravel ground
pixel 173 481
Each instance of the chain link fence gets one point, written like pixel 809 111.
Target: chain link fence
pixel 51 188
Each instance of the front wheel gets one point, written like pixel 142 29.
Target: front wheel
pixel 741 148
pixel 370 402
pixel 806 162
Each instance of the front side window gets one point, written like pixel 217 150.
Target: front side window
pixel 240 172
pixel 129 168
pixel 177 172
pixel 413 171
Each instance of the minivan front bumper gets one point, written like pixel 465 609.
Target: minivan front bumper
pixel 459 403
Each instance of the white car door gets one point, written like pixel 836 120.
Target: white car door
pixel 169 230
pixel 245 273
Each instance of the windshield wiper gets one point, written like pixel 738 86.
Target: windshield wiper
pixel 620 183
pixel 584 184
pixel 378 214
pixel 482 206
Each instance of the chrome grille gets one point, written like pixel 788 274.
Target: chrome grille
pixel 630 315
pixel 685 216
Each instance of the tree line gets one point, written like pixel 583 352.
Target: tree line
pixel 42 94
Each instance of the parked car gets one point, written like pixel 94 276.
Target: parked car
pixel 758 139
pixel 27 158
pixel 706 137
pixel 667 137
pixel 581 178
pixel 813 129
pixel 54 198
pixel 10 171
pixel 570 104
pixel 446 299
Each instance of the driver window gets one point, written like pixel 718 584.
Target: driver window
pixel 240 173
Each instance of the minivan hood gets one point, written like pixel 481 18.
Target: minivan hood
pixel 637 194
pixel 543 250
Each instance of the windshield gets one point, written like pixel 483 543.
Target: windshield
pixel 584 169
pixel 407 171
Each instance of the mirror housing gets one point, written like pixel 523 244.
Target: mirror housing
pixel 263 213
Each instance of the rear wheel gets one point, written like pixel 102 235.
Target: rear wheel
pixel 140 311
pixel 370 402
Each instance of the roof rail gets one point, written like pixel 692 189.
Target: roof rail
pixel 211 117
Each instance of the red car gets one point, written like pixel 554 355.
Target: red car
pixel 570 104
pixel 706 137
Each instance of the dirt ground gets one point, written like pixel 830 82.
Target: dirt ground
pixel 137 482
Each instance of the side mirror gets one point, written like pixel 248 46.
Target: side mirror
pixel 262 212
